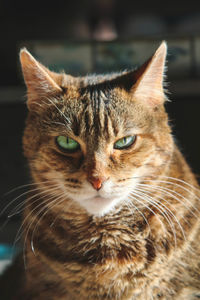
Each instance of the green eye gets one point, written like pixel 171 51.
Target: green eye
pixel 67 144
pixel 125 142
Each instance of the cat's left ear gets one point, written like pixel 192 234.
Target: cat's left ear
pixel 39 80
pixel 149 86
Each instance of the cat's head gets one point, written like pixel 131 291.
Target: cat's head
pixel 92 139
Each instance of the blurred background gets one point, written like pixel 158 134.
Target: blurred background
pixel 94 36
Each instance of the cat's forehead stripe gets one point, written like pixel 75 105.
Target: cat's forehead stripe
pixel 94 115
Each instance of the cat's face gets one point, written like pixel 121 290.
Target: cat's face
pixel 93 140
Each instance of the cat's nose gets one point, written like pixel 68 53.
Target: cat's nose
pixel 96 182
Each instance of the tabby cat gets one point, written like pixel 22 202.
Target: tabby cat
pixel 113 209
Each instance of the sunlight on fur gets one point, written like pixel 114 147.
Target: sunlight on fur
pixel 112 211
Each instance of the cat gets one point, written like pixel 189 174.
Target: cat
pixel 113 207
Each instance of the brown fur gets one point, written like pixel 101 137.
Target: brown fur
pixel 145 250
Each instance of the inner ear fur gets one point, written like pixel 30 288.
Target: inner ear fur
pixel 146 84
pixel 40 81
pixel 149 79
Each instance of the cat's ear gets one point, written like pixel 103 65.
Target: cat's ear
pixel 40 81
pixel 149 85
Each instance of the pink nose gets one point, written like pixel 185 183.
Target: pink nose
pixel 96 182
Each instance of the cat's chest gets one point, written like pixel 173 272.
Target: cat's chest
pixel 100 257
pixel 100 243
pixel 105 251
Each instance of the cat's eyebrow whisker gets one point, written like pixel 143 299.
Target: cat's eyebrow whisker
pixel 61 113
pixel 58 123
pixel 38 104
pixel 172 194
pixel 160 208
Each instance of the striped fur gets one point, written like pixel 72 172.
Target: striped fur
pixel 140 238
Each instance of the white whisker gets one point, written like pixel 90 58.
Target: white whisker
pixel 52 205
pixel 35 217
pixel 163 212
pixel 67 120
pixel 184 182
pixel 130 204
pixel 178 185
pixel 145 205
pixel 20 232
pixel 172 194
pixel 166 208
pixel 44 191
pixel 23 194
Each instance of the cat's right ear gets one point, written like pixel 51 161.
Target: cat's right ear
pixel 40 82
pixel 149 86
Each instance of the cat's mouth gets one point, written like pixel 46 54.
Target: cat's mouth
pixel 99 202
pixel 98 197
pixel 102 199
pixel 99 205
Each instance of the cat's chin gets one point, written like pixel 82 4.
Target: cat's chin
pixel 100 206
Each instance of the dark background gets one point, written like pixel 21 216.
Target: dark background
pixel 22 21
pixel 84 20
